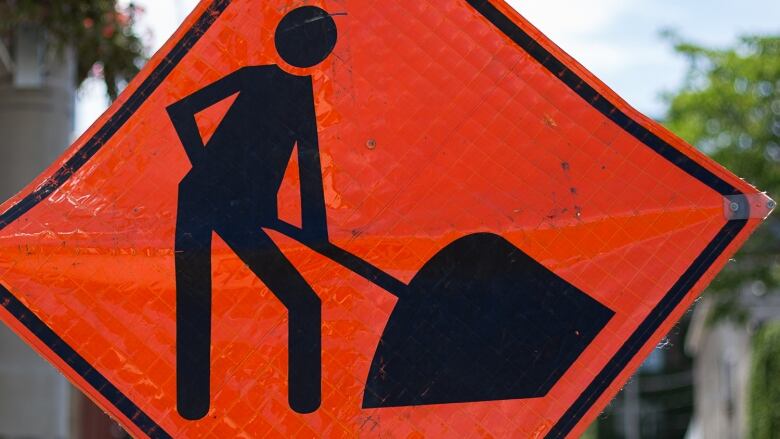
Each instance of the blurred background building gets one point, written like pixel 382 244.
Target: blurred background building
pixel 736 370
pixel 715 374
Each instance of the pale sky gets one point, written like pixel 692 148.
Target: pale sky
pixel 618 40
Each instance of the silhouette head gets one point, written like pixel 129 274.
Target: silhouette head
pixel 305 36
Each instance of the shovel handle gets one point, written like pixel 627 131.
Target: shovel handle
pixel 346 259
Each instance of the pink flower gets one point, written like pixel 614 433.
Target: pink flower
pixel 123 19
pixel 109 31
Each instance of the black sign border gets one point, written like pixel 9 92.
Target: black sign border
pixel 526 42
pixel 21 312
pixel 695 271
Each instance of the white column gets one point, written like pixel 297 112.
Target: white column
pixel 37 91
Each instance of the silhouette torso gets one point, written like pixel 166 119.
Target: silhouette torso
pixel 246 158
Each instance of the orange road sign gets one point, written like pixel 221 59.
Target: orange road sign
pixel 334 219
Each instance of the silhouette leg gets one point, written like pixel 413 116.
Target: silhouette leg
pixel 304 309
pixel 193 301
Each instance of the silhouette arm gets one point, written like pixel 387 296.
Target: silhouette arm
pixel 314 219
pixel 182 113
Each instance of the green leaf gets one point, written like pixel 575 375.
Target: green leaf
pixel 729 108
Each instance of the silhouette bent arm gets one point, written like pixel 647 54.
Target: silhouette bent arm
pixel 183 112
pixel 314 221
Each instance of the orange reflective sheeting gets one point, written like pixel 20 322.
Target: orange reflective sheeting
pixel 479 197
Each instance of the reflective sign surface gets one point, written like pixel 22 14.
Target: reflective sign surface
pixel 399 219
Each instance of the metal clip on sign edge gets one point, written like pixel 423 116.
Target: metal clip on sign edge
pixel 747 206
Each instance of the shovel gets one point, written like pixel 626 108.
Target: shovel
pixel 480 321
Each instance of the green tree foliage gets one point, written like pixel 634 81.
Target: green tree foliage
pixel 729 107
pixel 763 412
pixel 101 32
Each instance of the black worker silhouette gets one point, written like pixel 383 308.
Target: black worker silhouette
pixel 232 190
pixel 480 321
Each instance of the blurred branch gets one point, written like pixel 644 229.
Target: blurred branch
pixel 5 58
pixel 102 33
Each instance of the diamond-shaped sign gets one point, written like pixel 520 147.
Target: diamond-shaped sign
pixel 335 219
